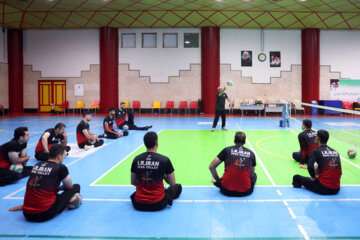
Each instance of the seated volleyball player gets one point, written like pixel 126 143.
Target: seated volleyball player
pixel 42 202
pixel 326 179
pixel 239 177
pixel 49 137
pixel 14 152
pixel 148 170
pixel 84 137
pixel 307 143
pixel 109 126
pixel 122 123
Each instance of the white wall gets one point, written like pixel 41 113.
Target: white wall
pixel 61 53
pixel 3 46
pixel 233 41
pixel 159 63
pixel 341 50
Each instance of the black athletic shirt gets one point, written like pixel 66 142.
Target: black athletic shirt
pixel 11 146
pixel 110 122
pixel 220 101
pixel 329 166
pixel 52 139
pixel 307 144
pixel 120 116
pixel 42 186
pixel 80 137
pixel 238 164
pixel 150 168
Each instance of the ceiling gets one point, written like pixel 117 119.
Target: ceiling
pixel 267 14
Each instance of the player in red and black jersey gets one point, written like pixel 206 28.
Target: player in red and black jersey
pixel 239 177
pixel 148 170
pixel 327 179
pixel 84 137
pixel 122 123
pixel 42 202
pixel 49 137
pixel 307 143
pixel 109 126
pixel 14 152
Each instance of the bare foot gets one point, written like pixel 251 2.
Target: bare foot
pixel 17 208
pixel 303 166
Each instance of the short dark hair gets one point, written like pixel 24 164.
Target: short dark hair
pixel 240 138
pixel 323 136
pixel 60 125
pixel 56 150
pixel 122 103
pixel 307 123
pixel 150 139
pixel 111 109
pixel 86 113
pixel 20 132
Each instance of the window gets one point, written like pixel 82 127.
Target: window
pixel 128 40
pixel 149 40
pixel 170 40
pixel 191 40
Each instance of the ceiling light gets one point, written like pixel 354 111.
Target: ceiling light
pixel 218 0
pixel 302 0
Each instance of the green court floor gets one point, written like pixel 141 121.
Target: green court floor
pixel 191 152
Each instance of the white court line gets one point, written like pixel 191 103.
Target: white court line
pixel 11 194
pixel 291 212
pixel 93 183
pixel 303 232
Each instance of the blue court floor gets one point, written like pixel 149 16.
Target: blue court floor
pixel 271 212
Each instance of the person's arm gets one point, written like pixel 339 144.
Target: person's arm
pixel 64 141
pixel 88 135
pixel 67 183
pixel 303 145
pixel 170 178
pixel 222 92
pixel 216 162
pixel 14 157
pixel 106 125
pixel 311 163
pixel 133 179
pixel 44 141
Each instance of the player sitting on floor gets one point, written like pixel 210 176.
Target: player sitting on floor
pixel 84 137
pixel 122 123
pixel 49 137
pixel 307 143
pixel 42 202
pixel 239 177
pixel 148 171
pixel 326 179
pixel 109 126
pixel 14 152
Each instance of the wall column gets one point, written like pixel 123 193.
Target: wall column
pixel 310 61
pixel 210 67
pixel 15 68
pixel 109 62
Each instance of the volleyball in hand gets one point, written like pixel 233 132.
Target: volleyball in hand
pixel 125 127
pixel 351 154
pixel 75 201
pixel 229 83
pixel 16 167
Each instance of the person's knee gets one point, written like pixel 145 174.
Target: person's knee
pixel 76 187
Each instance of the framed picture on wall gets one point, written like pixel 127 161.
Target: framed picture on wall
pixel 275 59
pixel 246 58
pixel 78 89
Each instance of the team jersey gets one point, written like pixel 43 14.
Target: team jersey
pixel 80 137
pixel 150 168
pixel 42 186
pixel 11 146
pixel 110 121
pixel 120 116
pixel 239 162
pixel 52 139
pixel 329 166
pixel 307 143
pixel 220 101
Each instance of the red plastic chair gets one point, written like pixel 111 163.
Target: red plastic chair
pixel 194 106
pixel 347 105
pixel 169 105
pixel 183 105
pixel 2 109
pixel 136 105
pixel 64 106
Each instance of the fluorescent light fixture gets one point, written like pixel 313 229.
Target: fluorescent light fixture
pixel 187 42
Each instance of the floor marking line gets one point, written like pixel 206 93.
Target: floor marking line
pixel 291 212
pixel 93 183
pixel 11 194
pixel 285 203
pixel 278 192
pixel 303 232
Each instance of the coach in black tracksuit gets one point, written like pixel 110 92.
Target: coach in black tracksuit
pixel 327 179
pixel 220 108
